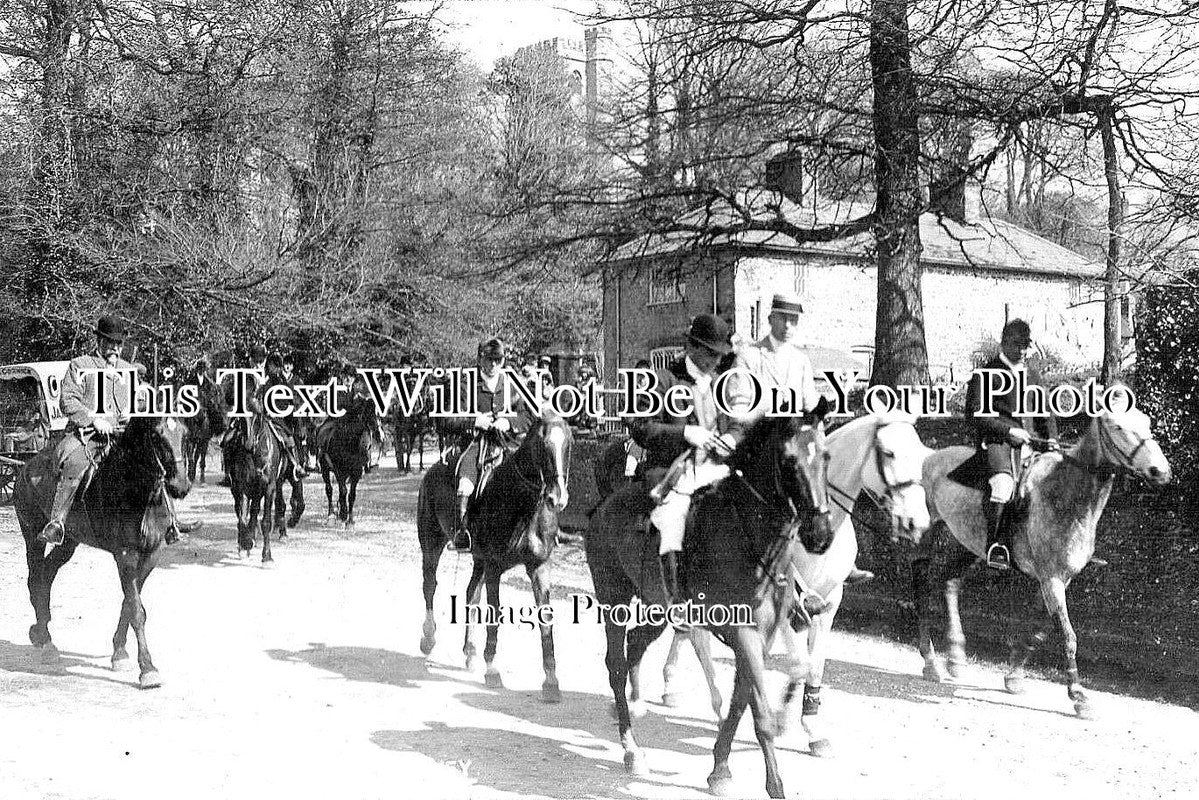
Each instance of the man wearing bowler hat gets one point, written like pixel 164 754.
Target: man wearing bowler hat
pixel 776 361
pixel 680 450
pixel 89 433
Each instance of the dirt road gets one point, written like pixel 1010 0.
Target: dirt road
pixel 306 680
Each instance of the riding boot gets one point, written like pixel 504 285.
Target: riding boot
pixel 461 541
pixel 671 584
pixel 998 557
pixel 64 496
pixel 857 576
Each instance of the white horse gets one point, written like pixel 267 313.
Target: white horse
pixel 879 454
pixel 1065 494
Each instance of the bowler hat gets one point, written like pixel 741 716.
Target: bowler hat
pixel 111 328
pixel 257 352
pixel 711 332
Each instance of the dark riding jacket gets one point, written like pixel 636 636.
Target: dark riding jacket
pixel 991 433
pixel 487 401
pixel 662 434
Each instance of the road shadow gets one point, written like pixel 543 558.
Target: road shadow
pixel 28 660
pixel 368 664
pixel 868 681
pixel 510 761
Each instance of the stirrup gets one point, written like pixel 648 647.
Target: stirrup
pixel 998 557
pixel 53 533
pixel 452 546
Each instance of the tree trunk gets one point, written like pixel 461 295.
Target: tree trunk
pixel 1115 220
pixel 901 356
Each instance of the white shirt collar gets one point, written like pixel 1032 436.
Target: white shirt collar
pixel 492 382
pixel 1011 366
pixel 701 378
pixel 775 344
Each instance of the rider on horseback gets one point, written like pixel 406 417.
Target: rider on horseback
pixel 289 426
pixel 491 436
pixel 1003 435
pixel 678 449
pixel 88 434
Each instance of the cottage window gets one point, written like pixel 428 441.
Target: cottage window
pixel 801 279
pixel 755 317
pixel 661 357
pixel 666 289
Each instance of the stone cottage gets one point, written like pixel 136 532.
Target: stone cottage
pixel 977 274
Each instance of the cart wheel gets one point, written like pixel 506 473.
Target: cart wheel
pixel 7 474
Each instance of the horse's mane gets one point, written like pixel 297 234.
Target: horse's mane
pixel 128 465
pixel 759 435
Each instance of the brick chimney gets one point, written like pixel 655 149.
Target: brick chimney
pixel 784 174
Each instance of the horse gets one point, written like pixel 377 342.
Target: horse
pixel 1059 501
pixel 514 521
pixel 209 422
pixel 343 449
pixel 609 477
pixel 881 455
pixel 122 510
pixel 409 431
pixel 257 467
pixel 736 558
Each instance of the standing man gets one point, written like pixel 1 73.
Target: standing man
pixel 1003 435
pixel 679 449
pixel 776 361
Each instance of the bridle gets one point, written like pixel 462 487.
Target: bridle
pixel 891 486
pixel 1107 466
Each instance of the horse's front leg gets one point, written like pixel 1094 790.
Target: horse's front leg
pixel 617 663
pixel 202 455
pixel 1054 591
pixel 342 511
pixel 751 658
pixel 281 509
pixel 720 781
pixel 922 601
pixel 474 592
pixel 133 569
pixel 796 660
pixel 540 579
pixel 492 676
pixel 329 513
pixel 268 519
pixel 818 638
pixel 353 496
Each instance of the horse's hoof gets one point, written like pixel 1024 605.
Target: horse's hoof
pixel 49 654
pixel 1084 710
pixel 637 709
pixel 933 674
pixel 720 782
pixel 1014 684
pixel 150 680
pixel 426 644
pixel 36 637
pixel 634 763
pixel 472 663
pixel 349 527
pixel 955 669
pixel 550 693
pixel 672 700
pixel 493 680
pixel 821 748
pixel 120 663
pixel 268 563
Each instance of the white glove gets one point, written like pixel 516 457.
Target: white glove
pixel 1018 436
pixel 502 424
pixel 482 422
pixel 102 426
pixel 698 436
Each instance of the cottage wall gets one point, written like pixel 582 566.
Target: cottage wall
pixel 961 306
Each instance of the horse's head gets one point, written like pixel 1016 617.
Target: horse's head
pixel 1124 439
pixel 551 439
pixel 895 474
pixel 787 457
pixel 155 445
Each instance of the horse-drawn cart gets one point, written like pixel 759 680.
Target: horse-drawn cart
pixel 30 416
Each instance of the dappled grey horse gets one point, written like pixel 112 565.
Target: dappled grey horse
pixel 1063 494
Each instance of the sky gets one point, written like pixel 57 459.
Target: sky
pixel 488 29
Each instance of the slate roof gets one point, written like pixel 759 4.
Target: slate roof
pixel 987 243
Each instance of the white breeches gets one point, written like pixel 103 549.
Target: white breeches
pixel 670 516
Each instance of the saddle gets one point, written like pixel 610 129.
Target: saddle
pixel 974 473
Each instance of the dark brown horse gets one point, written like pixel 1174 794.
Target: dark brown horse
pixel 741 538
pixel 343 449
pixel 202 427
pixel 257 468
pixel 514 522
pixel 409 431
pixel 123 510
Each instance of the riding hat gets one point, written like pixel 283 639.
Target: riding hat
pixel 111 328
pixel 492 348
pixel 712 332
pixel 786 303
